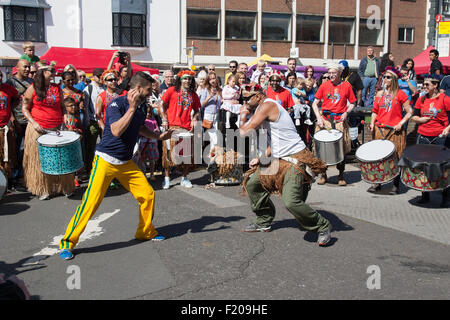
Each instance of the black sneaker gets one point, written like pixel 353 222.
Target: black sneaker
pixel 253 227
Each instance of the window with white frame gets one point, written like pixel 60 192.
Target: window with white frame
pixel 203 23
pixel 276 26
pixel 406 34
pixel 240 25
pixel 341 30
pixel 24 23
pixel 310 28
pixel 446 7
pixel 371 32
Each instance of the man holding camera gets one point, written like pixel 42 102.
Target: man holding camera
pixel 123 66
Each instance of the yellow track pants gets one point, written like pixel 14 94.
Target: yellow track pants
pixel 102 174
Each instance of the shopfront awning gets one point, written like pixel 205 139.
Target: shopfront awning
pixel 85 59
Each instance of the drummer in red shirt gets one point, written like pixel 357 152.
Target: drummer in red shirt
pixel 179 102
pixel 7 138
pixel 388 118
pixel 276 92
pixel 432 113
pixel 338 100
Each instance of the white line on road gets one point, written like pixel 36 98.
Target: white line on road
pixel 92 230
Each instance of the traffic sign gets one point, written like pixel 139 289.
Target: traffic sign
pixel 438 18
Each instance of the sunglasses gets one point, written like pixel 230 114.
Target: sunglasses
pixel 232 67
pixel 111 80
pixel 326 78
pixel 387 77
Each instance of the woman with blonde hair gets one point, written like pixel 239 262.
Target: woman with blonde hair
pixel 387 120
pixel 201 81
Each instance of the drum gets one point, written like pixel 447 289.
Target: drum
pixel 378 161
pixel 3 183
pixel 329 146
pixel 226 169
pixel 426 167
pixel 60 153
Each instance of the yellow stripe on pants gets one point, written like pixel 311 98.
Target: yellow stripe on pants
pixel 102 174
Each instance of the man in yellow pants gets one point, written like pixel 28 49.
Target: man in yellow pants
pixel 125 119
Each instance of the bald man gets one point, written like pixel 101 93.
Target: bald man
pixel 21 82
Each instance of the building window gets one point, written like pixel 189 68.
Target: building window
pixel 371 32
pixel 309 28
pixel 240 25
pixel 202 24
pixel 341 30
pixel 446 7
pixel 24 24
pixel 276 26
pixel 406 34
pixel 129 30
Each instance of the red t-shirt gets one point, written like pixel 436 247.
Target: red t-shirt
pixel 180 107
pixel 389 110
pixel 7 93
pixel 107 99
pixel 436 109
pixel 48 112
pixel 334 98
pixel 282 96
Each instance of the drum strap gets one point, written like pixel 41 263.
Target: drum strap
pixel 330 116
pixel 385 137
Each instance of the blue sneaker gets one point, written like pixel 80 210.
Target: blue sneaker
pixel 66 254
pixel 158 238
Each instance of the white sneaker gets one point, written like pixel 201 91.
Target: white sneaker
pixel 166 183
pixel 308 122
pixel 186 183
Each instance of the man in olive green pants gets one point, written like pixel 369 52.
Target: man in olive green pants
pixel 294 196
pixel 286 147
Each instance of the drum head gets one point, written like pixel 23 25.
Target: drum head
pixel 328 135
pixel 53 139
pixel 375 150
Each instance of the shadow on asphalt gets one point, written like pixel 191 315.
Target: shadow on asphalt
pixel 337 226
pixel 108 247
pixel 9 209
pixel 197 225
pixel 350 177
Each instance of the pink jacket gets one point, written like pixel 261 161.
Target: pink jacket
pixel 229 94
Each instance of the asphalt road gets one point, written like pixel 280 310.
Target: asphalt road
pixel 383 247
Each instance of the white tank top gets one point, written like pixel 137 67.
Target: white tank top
pixel 282 134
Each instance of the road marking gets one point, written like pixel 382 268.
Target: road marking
pixel 214 198
pixel 92 231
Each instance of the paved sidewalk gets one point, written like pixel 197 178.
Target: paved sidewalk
pixel 399 212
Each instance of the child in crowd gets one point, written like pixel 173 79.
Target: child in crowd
pixel 301 108
pixel 260 67
pixel 230 96
pixel 72 122
pixel 28 49
pixel 148 148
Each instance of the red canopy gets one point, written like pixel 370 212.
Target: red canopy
pixel 422 62
pixel 85 59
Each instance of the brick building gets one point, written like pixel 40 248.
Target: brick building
pixel 223 30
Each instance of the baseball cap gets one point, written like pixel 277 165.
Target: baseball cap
pixel 98 72
pixel 344 63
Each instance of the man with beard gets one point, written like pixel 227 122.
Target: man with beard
pixel 124 122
